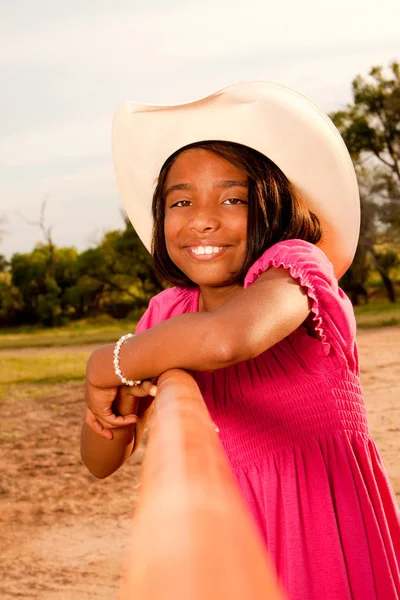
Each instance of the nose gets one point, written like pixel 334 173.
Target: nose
pixel 204 219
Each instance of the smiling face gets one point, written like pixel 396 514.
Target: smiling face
pixel 210 197
pixel 205 223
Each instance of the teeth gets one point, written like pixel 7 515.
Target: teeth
pixel 206 249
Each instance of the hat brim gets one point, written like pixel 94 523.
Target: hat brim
pixel 277 121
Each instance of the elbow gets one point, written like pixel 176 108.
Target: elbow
pixel 226 350
pixel 227 355
pixel 97 475
pixel 98 471
pixel 92 468
pixel 100 476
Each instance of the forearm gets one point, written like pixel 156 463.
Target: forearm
pixel 190 342
pixel 103 456
pixel 239 330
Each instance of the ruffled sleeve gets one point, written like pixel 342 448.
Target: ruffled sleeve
pixel 168 303
pixel 333 317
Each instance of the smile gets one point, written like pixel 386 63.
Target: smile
pixel 206 249
pixel 206 253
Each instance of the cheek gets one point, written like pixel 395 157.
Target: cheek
pixel 170 230
pixel 171 235
pixel 174 224
pixel 239 225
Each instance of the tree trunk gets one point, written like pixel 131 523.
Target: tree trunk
pixel 385 277
pixel 354 297
pixel 389 286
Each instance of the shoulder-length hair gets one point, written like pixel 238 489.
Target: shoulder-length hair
pixel 275 211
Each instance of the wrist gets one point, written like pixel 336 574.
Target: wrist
pixel 117 367
pixel 100 368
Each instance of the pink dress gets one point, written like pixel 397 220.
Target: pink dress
pixel 293 424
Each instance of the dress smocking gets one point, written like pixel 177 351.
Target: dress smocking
pixel 293 424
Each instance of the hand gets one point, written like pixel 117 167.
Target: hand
pixel 102 404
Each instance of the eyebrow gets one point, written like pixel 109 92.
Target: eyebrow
pixel 229 183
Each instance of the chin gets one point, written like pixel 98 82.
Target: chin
pixel 208 276
pixel 213 282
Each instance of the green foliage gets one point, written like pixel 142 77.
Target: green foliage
pixel 370 126
pixel 41 278
pixel 3 264
pixel 389 259
pixel 53 285
pixel 371 123
pixel 354 281
pixel 11 302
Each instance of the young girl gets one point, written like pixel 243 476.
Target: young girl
pixel 257 315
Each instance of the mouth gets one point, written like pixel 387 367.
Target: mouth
pixel 206 253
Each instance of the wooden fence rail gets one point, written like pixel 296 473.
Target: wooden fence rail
pixel 193 537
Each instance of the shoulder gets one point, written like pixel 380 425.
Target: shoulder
pixel 302 259
pixel 168 303
pixel 331 309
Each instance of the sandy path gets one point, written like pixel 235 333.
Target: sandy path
pixel 63 532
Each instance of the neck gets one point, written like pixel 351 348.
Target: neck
pixel 211 298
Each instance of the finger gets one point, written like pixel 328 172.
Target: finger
pixel 118 421
pixel 148 388
pixel 136 391
pixel 96 426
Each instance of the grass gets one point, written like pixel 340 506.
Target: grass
pixel 47 366
pixel 78 333
pixel 377 314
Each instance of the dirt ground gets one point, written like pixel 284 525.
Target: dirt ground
pixel 63 533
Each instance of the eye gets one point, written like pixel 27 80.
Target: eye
pixel 234 201
pixel 181 204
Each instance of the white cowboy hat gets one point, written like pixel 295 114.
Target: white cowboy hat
pixel 277 121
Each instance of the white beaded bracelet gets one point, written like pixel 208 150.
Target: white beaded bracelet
pixel 117 368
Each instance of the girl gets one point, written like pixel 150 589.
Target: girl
pixel 257 315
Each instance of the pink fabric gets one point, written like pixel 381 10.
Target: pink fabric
pixel 294 427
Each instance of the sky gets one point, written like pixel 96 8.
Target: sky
pixel 65 67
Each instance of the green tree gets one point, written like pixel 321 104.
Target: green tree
pixel 3 264
pixel 370 126
pixel 11 303
pixel 29 274
pixel 371 123
pixel 10 297
pixel 43 278
pixel 116 277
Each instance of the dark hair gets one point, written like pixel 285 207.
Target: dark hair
pixel 275 211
